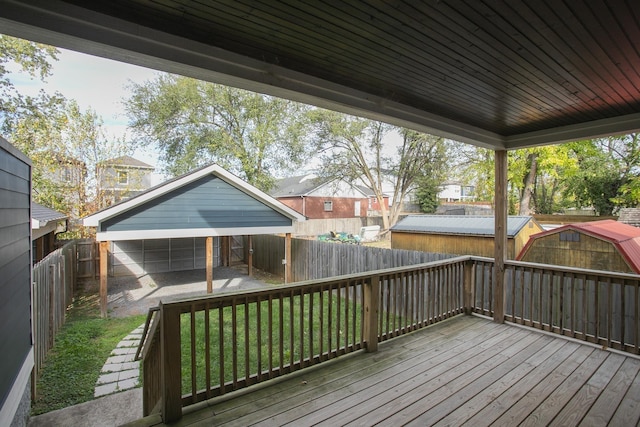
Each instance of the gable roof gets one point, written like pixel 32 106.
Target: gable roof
pixel 42 215
pixel 467 225
pixel 164 190
pixel 300 185
pixel 127 161
pixel 625 238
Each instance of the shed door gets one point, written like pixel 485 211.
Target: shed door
pixel 356 210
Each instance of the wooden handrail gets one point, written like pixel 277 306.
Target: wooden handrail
pixel 209 346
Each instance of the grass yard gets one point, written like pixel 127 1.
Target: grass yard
pixel 81 348
pixel 306 339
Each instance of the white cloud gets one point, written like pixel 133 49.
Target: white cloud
pixel 96 83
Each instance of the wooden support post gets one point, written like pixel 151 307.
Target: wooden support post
pixel 250 257
pixel 223 251
pixel 370 324
pixel 500 249
pixel 104 258
pixel 209 262
pixel 170 362
pixel 287 257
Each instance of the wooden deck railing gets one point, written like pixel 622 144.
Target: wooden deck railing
pixel 207 347
pixel 594 306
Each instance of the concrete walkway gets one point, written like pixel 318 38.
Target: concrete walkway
pixel 121 372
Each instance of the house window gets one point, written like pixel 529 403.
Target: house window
pixel 569 236
pixel 123 177
pixel 328 206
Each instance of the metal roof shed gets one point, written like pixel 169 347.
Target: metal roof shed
pixel 598 245
pixel 206 202
pixel 460 234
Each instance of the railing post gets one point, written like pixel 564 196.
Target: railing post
pixel 469 282
pixel 370 321
pixel 171 364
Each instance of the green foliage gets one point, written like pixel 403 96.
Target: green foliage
pixel 81 348
pixel 195 123
pixel 608 175
pixel 30 58
pixel 427 194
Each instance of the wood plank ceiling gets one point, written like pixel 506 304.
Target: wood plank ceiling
pixel 496 73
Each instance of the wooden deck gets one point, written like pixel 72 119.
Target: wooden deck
pixel 464 371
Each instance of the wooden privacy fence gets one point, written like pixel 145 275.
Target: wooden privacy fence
pixel 595 306
pixel 313 259
pixel 210 346
pixel 52 292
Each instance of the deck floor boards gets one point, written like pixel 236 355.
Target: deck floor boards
pixel 463 371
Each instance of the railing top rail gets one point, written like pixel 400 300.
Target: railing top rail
pixel 280 289
pixel 574 270
pixel 563 268
pixel 145 333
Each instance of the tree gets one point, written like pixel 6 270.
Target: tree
pixel 609 174
pixel 30 58
pixel 353 149
pixel 194 123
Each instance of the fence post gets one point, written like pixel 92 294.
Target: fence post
pixel 170 362
pixel 370 323
pixel 469 284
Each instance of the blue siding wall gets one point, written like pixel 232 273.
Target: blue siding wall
pixel 15 266
pixel 206 203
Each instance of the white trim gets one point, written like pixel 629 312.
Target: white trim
pixel 594 129
pixel 189 232
pixel 95 219
pixel 10 406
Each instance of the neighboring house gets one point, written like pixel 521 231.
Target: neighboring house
pixel 122 178
pixel 45 224
pixel 16 345
pixel 629 216
pixel 456 192
pixel 460 235
pixel 316 198
pixel 70 177
pixel 598 245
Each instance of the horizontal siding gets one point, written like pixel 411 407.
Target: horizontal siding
pixel 449 244
pixel 15 267
pixel 206 203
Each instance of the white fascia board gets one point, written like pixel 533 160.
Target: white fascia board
pixel 95 219
pixel 590 130
pixel 189 232
pixel 257 194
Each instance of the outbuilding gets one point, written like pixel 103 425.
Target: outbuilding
pixel 185 223
pixel 460 234
pixel 598 245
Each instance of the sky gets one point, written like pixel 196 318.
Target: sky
pixel 96 83
pixel 101 84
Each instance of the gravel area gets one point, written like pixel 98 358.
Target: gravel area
pixel 129 295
